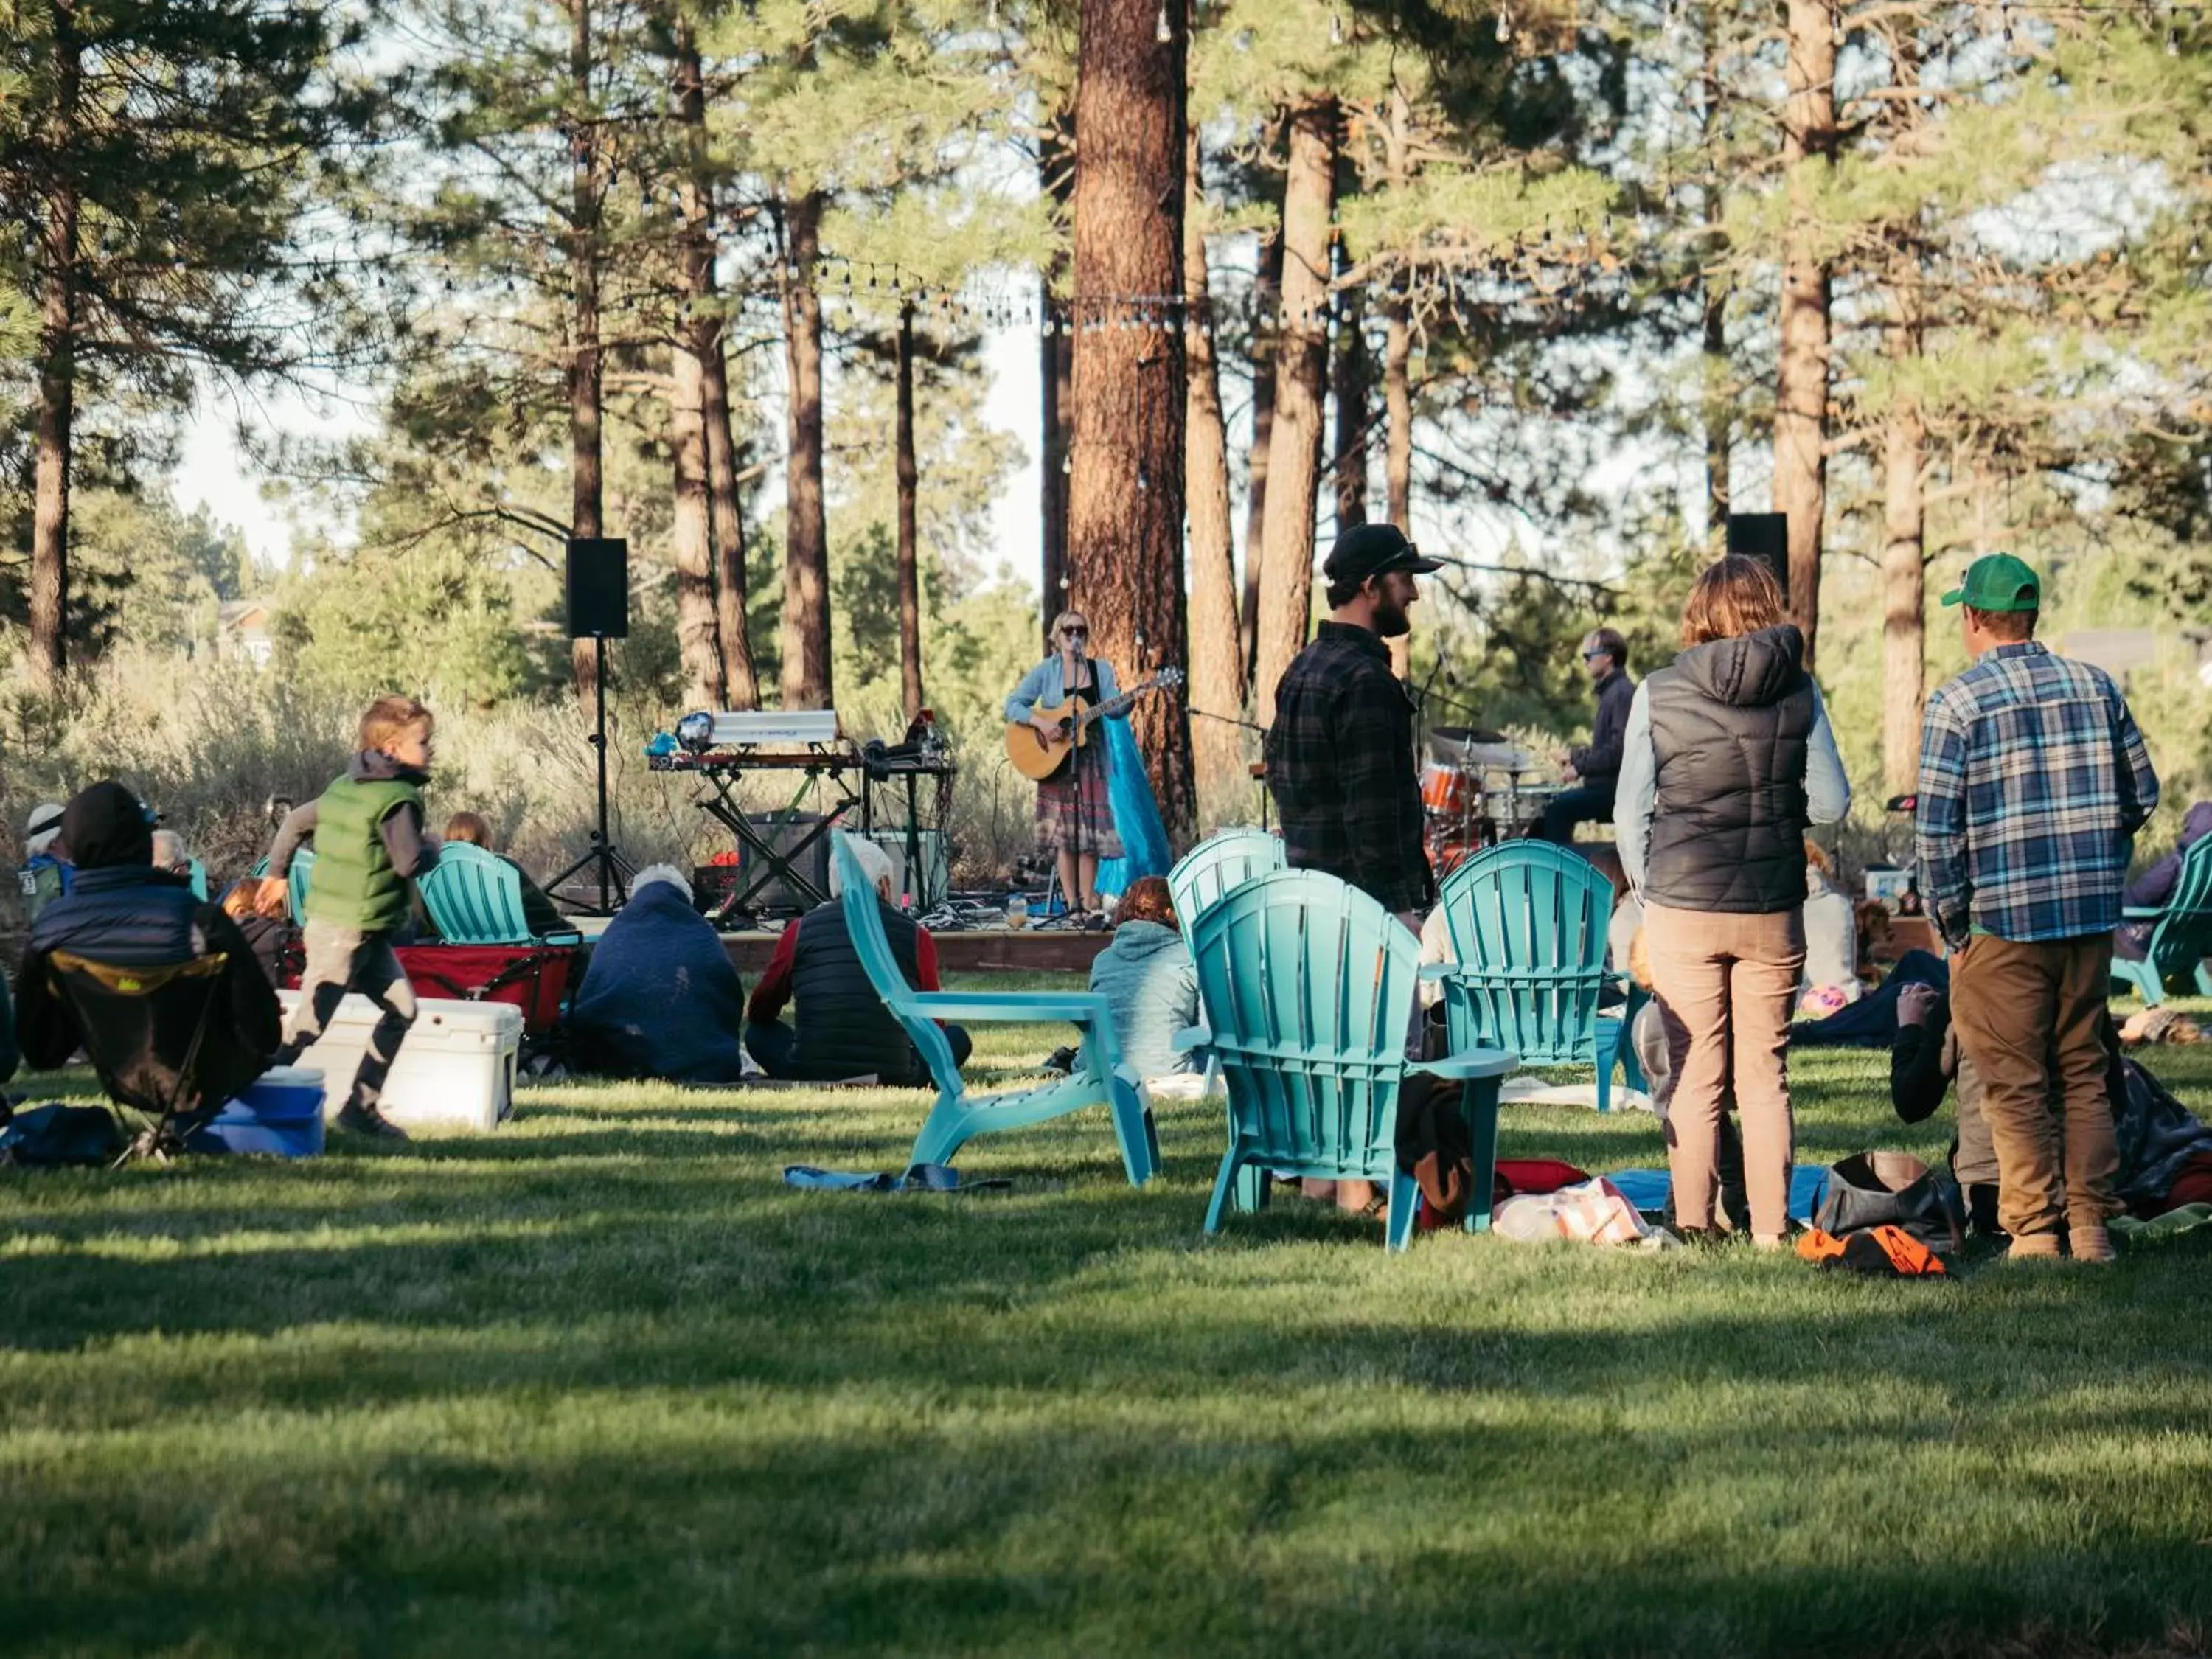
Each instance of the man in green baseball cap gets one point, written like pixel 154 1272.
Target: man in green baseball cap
pixel 1998 582
pixel 2033 780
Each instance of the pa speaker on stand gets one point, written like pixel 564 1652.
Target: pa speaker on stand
pixel 1764 536
pixel 597 592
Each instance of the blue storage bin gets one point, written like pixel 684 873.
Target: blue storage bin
pixel 281 1114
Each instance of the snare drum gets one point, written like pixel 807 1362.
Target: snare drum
pixel 1447 792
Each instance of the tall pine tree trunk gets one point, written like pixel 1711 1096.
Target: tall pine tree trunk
pixel 691 538
pixel 585 367
pixel 1126 509
pixel 1351 381
pixel 740 679
pixel 698 627
pixel 909 550
pixel 1055 365
pixel 1266 299
pixel 1718 411
pixel 1801 415
pixel 1301 368
pixel 1217 648
pixel 1903 571
pixel 704 338
pixel 806 634
pixel 1398 410
pixel 57 280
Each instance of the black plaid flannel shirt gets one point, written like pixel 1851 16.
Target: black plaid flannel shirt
pixel 1341 767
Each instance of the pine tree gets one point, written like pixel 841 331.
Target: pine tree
pixel 1125 506
pixel 160 152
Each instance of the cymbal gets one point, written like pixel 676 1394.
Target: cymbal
pixel 1464 734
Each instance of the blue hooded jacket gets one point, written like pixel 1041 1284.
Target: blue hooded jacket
pixel 660 998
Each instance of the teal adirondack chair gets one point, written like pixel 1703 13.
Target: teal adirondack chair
pixel 303 861
pixel 958 1117
pixel 475 897
pixel 1216 866
pixel 199 878
pixel 1308 985
pixel 2180 934
pixel 1527 922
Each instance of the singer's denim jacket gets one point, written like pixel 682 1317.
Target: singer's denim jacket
pixel 1048 683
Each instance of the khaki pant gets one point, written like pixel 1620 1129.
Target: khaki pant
pixel 2030 1018
pixel 1728 983
pixel 342 959
pixel 1975 1162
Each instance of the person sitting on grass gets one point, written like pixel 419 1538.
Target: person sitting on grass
pixel 539 914
pixel 263 918
pixel 840 1027
pixel 121 912
pixel 1148 979
pixel 660 998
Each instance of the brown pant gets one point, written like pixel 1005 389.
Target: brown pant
pixel 1728 982
pixel 2030 1018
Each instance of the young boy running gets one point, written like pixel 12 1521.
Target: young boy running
pixel 369 844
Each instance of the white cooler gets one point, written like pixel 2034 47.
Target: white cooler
pixel 455 1069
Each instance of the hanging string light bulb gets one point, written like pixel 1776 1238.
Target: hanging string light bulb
pixel 1504 27
pixel 1335 30
pixel 1163 31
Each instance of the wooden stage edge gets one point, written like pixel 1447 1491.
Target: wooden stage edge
pixel 979 950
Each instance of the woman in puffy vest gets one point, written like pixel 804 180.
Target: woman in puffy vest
pixel 1729 756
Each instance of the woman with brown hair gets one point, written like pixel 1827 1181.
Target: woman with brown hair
pixel 1728 759
pixel 1074 815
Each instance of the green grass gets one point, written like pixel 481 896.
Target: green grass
pixel 602 1384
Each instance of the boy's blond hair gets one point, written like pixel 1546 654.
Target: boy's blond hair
pixel 389 716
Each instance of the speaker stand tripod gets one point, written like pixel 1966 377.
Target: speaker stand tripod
pixel 615 872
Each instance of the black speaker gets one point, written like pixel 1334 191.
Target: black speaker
pixel 599 588
pixel 1764 536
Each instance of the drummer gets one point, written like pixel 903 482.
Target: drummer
pixel 1592 771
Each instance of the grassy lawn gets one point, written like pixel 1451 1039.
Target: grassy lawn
pixel 602 1384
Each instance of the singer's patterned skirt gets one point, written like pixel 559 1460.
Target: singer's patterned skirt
pixel 1079 816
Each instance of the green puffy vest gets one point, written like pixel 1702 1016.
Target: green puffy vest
pixel 353 884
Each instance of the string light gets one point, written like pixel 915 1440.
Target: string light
pixel 1504 27
pixel 1163 31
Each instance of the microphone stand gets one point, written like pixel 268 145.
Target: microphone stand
pixel 1242 725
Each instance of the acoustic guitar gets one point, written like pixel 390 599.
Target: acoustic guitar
pixel 1038 757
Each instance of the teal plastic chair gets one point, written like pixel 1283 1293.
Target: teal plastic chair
pixel 959 1117
pixel 1309 988
pixel 1219 864
pixel 303 861
pixel 303 865
pixel 2180 934
pixel 200 881
pixel 1527 922
pixel 475 897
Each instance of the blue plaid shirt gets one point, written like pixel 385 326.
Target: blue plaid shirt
pixel 2033 781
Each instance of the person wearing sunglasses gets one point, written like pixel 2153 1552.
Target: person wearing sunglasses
pixel 1074 811
pixel 1594 771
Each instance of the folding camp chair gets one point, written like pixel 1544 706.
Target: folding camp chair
pixel 145 1030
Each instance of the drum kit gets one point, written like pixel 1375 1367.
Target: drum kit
pixel 1473 796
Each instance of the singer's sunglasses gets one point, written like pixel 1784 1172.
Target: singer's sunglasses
pixel 1075 632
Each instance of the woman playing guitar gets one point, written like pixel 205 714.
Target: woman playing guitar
pixel 1074 816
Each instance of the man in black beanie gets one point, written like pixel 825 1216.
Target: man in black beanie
pixel 123 912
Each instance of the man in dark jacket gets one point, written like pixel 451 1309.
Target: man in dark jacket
pixel 1594 771
pixel 843 1027
pixel 660 998
pixel 1340 761
pixel 123 912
